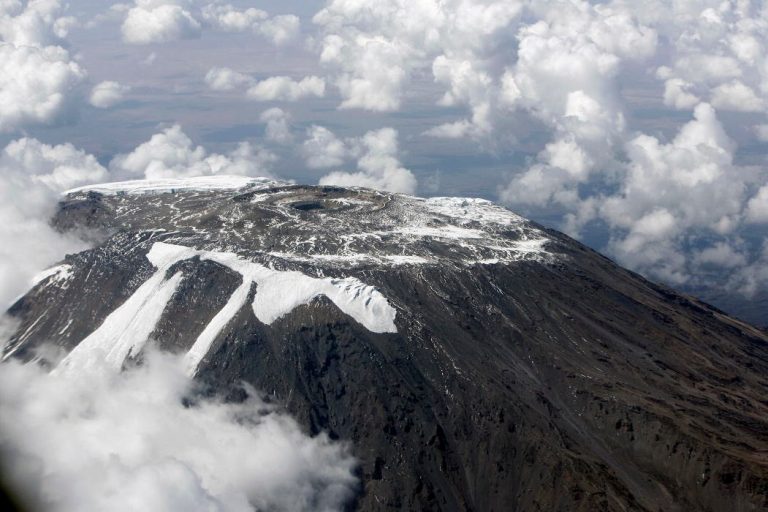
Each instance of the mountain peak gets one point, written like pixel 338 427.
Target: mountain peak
pixel 474 360
pixel 320 225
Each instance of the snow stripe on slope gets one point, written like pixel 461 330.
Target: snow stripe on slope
pixel 126 330
pixel 211 332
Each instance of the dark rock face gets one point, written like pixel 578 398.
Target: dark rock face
pixel 526 372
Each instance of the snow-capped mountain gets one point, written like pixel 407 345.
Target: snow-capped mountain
pixel 475 360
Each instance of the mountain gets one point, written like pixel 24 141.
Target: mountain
pixel 475 360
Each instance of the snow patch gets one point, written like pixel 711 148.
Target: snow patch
pixel 196 184
pixel 126 330
pixel 57 274
pixel 472 209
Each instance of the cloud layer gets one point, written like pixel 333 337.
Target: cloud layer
pixel 103 441
pixel 34 174
pixel 162 21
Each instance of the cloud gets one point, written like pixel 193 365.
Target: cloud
pixel 37 86
pixel 373 49
pixel 715 51
pixel 157 21
pixel 283 88
pixel 226 79
pixel 736 96
pixel 172 154
pixel 275 88
pixel 108 94
pixel 278 125
pixel 103 441
pixel 34 174
pixel 36 23
pixel 377 160
pixel 757 207
pixel 40 82
pixel 673 191
pixel 280 30
pixel 322 149
pixel 751 278
pixel 230 19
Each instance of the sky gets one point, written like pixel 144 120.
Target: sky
pixel 638 128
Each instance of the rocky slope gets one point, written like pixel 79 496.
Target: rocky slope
pixel 475 360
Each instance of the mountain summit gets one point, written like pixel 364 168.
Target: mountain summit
pixel 475 360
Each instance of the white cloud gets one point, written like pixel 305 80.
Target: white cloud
pixel 33 176
pixel 275 88
pixel 281 29
pixel 322 149
pixel 716 49
pixel 753 277
pixel 107 94
pixel 226 79
pixel 228 18
pixel 757 207
pixel 736 96
pixel 677 94
pixel 378 164
pixel 172 154
pixel 35 23
pixel 673 191
pixel 721 254
pixel 37 85
pixel 100 441
pixel 278 125
pixel 283 88
pixel 761 132
pixel 157 21
pixel 40 82
pixel 374 48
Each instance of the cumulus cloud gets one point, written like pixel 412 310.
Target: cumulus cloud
pixel 33 176
pixel 228 18
pixel 376 155
pixel 281 29
pixel 157 21
pixel 715 51
pixel 757 207
pixel 35 23
pixel 103 441
pixel 322 149
pixel 226 79
pixel 275 88
pixel 277 123
pixel 172 154
pixel 374 48
pixel 40 82
pixel 283 88
pixel 108 94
